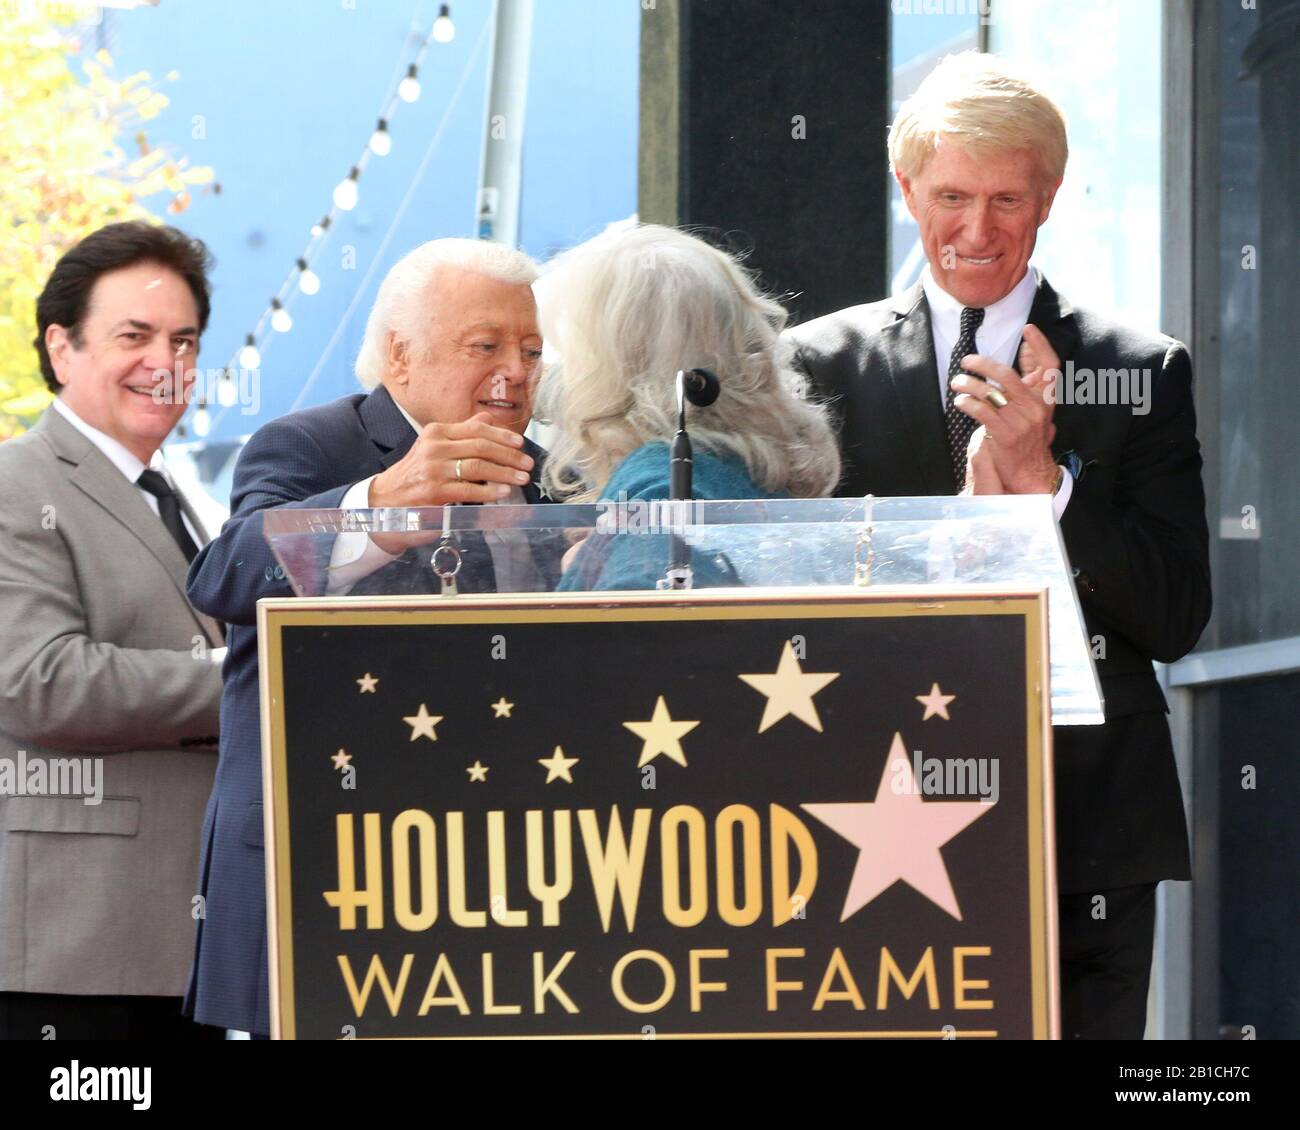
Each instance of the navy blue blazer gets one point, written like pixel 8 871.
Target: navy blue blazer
pixel 306 460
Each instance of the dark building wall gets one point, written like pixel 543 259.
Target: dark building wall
pixel 765 123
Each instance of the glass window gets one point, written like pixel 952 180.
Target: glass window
pixel 921 34
pixel 1253 726
pixel 1254 227
pixel 1101 62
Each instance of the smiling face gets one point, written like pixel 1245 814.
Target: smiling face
pixel 140 328
pixel 482 353
pixel 979 218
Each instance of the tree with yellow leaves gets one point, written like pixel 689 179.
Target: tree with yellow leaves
pixel 65 171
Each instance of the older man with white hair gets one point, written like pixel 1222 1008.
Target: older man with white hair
pixel 450 357
pixel 979 153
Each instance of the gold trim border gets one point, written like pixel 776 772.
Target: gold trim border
pixel 275 614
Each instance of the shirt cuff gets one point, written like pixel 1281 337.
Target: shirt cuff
pixel 354 555
pixel 1061 499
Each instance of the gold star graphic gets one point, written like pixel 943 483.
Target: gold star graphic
pixel 789 691
pixel 422 724
pixel 661 735
pixel 502 707
pixel 368 683
pixel 341 759
pixel 936 702
pixel 558 766
pixel 477 772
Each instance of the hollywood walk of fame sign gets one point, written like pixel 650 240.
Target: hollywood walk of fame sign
pixel 774 812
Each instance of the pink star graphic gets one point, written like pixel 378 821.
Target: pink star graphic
pixel 899 836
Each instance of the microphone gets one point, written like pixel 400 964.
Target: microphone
pixel 701 387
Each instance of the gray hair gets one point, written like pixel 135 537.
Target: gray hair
pixel 402 304
pixel 624 311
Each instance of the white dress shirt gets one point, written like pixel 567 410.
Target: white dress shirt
pixel 126 462
pixel 998 337
pixel 130 466
pixel 355 556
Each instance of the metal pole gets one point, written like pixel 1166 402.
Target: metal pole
pixel 501 170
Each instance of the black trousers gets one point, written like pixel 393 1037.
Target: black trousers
pixel 41 1016
pixel 1106 940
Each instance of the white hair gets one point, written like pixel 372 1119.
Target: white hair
pixel 402 304
pixel 624 312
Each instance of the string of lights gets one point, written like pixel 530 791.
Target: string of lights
pixel 301 278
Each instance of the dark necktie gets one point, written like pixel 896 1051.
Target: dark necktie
pixel 960 426
pixel 169 510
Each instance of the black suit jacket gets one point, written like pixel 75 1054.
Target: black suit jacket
pixel 1134 529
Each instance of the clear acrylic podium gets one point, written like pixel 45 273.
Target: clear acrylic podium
pixel 986 543
pixel 521 783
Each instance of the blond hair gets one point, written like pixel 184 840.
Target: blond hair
pixel 624 312
pixel 984 105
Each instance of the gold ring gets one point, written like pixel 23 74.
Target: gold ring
pixel 996 398
pixel 458 475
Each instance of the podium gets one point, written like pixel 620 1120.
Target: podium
pixel 810 796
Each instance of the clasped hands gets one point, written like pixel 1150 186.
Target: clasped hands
pixel 473 461
pixel 1011 451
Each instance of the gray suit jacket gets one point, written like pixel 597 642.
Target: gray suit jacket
pixel 102 659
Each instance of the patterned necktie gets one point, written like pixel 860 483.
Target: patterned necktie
pixel 960 426
pixel 169 510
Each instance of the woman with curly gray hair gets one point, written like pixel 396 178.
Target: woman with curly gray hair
pixel 624 312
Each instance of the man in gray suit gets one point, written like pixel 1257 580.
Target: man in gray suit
pixel 109 693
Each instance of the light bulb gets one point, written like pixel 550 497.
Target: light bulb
pixel 381 141
pixel 249 357
pixel 227 394
pixel 444 31
pixel 281 322
pixel 345 192
pixel 202 422
pixel 408 90
pixel 308 280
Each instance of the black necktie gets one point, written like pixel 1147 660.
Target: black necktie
pixel 169 510
pixel 960 426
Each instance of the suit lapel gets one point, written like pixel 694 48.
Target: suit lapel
pixel 533 488
pixel 215 629
pixel 1055 317
pixel 92 473
pixel 387 428
pixel 1053 314
pixel 914 372
pixel 547 546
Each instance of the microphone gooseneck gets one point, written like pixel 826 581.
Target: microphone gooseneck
pixel 700 387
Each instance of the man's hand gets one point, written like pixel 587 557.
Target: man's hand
pixel 981 471
pixel 1019 434
pixel 491 462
